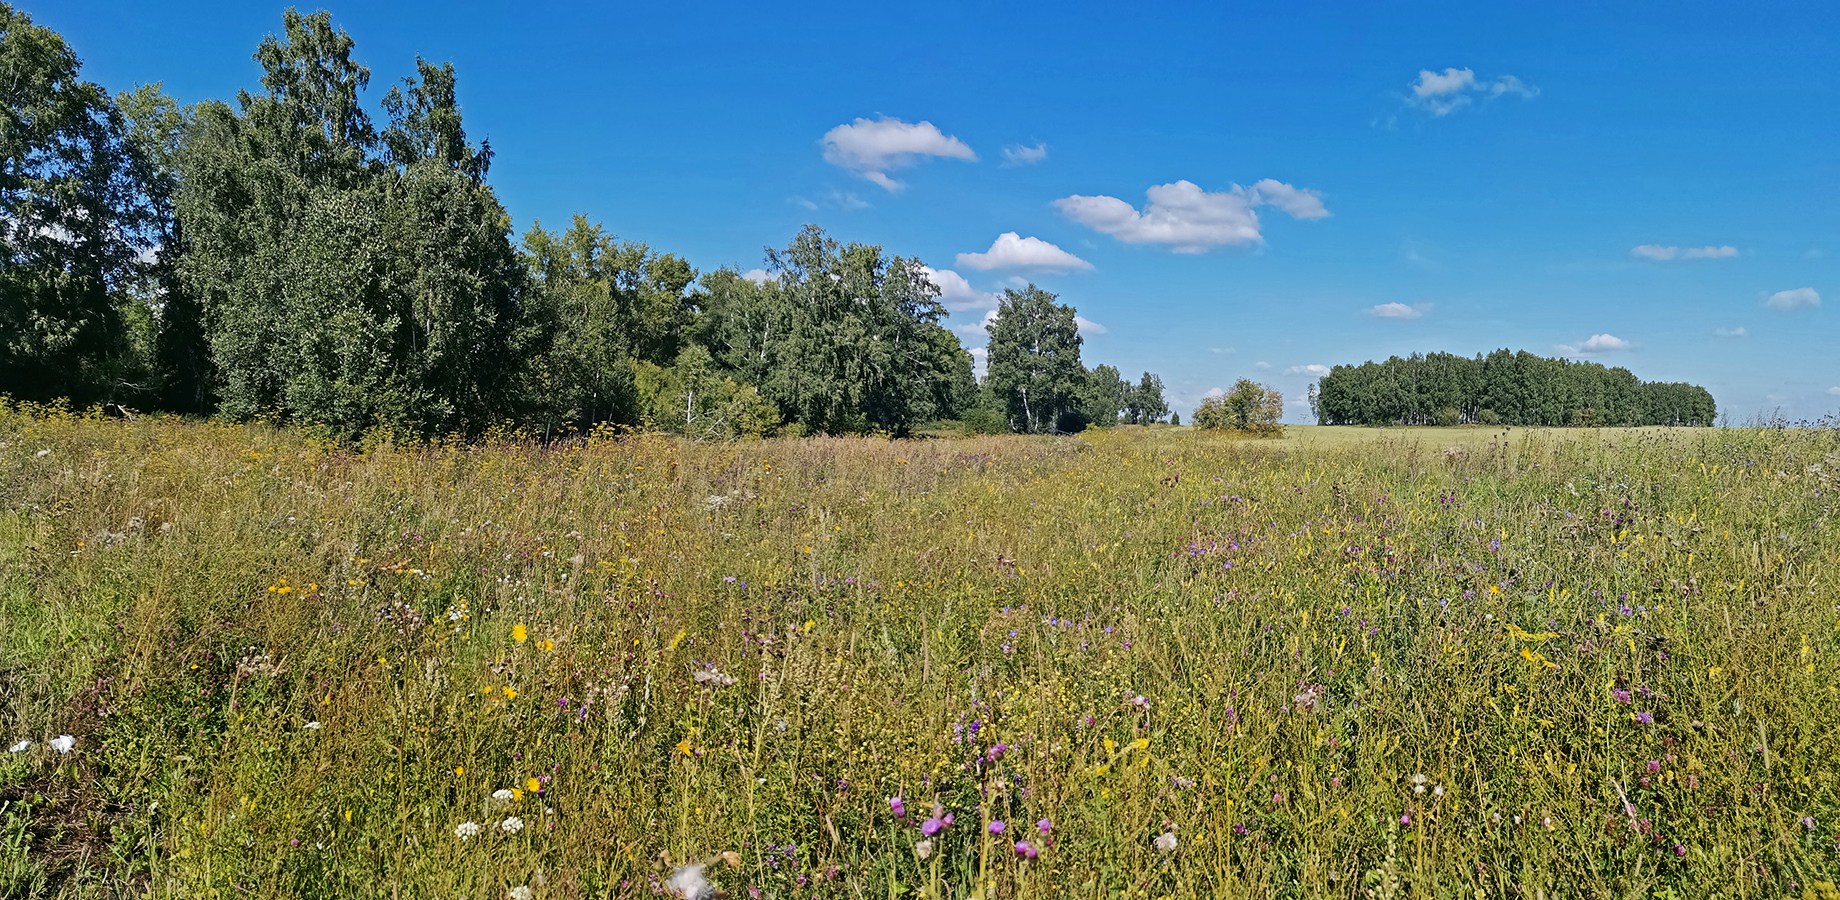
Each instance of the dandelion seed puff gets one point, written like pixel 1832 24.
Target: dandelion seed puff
pixel 1166 842
pixel 688 883
pixel 20 747
pixel 923 848
pixel 466 830
pixel 63 743
pixel 511 825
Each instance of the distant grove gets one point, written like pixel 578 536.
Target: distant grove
pixel 1502 388
pixel 284 256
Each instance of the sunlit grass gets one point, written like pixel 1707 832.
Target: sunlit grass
pixel 1171 663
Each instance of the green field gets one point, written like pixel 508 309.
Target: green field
pixel 1343 663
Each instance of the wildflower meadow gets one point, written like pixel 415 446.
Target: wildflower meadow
pixel 238 661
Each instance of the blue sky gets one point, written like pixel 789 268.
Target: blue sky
pixel 1642 184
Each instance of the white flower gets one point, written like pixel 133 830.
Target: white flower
pixel 711 676
pixel 63 743
pixel 521 892
pixel 924 848
pixel 44 453
pixel 21 747
pixel 1437 791
pixel 502 797
pixel 466 830
pixel 313 726
pixel 1166 842
pixel 688 883
pixel 511 825
pixel 1418 783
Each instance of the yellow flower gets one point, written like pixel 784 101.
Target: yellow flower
pixel 516 795
pixel 509 693
pixel 532 785
pixel 519 633
pixel 683 747
pixel 459 770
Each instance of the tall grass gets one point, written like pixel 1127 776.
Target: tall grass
pixel 1536 667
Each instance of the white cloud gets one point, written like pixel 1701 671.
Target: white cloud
pixel 1737 332
pixel 980 360
pixel 1262 366
pixel 979 328
pixel 872 148
pixel 1834 391
pixel 1795 299
pixel 1215 392
pixel 1399 310
pixel 802 201
pixel 1444 93
pixel 956 293
pixel 1314 370
pixel 1018 155
pixel 1662 254
pixel 1597 343
pixel 1223 351
pixel 1013 251
pixel 759 276
pixel 1088 326
pixel 1190 218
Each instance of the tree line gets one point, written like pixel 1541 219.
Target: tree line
pixel 287 255
pixel 1502 388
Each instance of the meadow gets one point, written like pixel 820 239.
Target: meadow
pixel 1133 663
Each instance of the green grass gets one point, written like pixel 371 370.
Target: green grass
pixel 295 670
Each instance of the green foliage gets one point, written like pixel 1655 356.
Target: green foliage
pixel 601 307
pixel 691 398
pixel 1247 407
pixel 349 279
pixel 1511 388
pixel 73 218
pixel 844 340
pixel 1034 361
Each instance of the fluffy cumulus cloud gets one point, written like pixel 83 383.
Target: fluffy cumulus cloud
pixel 980 360
pixel 1018 155
pixel 1262 366
pixel 1800 298
pixel 1597 343
pixel 1189 218
pixel 1088 326
pixel 759 276
pixel 1664 254
pixel 1398 310
pixel 1442 93
pixel 1737 332
pixel 1013 251
pixel 1215 392
pixel 1314 370
pixel 1834 391
pixel 874 147
pixel 956 293
pixel 980 328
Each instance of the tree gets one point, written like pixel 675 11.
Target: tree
pixel 601 306
pixel 1105 396
pixel 344 277
pixel 73 220
pixel 1147 403
pixel 1247 407
pixel 843 339
pixel 1034 359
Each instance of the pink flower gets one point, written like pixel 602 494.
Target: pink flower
pixel 1026 850
pixel 996 827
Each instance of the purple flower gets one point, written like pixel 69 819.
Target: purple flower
pixel 996 827
pixel 1645 718
pixel 1044 826
pixel 1620 695
pixel 900 810
pixel 1680 850
pixel 934 826
pixel 1654 765
pixel 1026 850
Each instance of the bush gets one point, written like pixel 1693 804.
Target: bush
pixel 1249 407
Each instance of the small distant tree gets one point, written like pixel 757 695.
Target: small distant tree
pixel 1175 418
pixel 1035 364
pixel 1248 407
